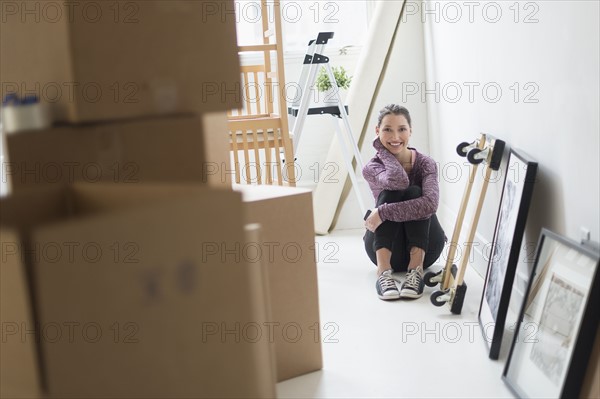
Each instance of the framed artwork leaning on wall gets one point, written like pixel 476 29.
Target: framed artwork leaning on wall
pixel 559 305
pixel 501 288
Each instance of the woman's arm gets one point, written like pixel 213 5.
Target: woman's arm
pixel 387 175
pixel 418 208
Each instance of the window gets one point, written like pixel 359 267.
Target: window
pixel 302 20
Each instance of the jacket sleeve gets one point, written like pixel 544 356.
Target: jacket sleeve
pixel 419 208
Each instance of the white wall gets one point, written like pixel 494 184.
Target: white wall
pixel 555 59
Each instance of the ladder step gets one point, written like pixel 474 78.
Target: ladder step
pixel 331 110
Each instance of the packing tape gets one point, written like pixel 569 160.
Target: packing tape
pixel 17 118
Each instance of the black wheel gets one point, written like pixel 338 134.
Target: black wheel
pixel 435 298
pixel 460 149
pixel 471 156
pixel 429 276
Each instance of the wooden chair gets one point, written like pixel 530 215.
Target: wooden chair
pixel 259 131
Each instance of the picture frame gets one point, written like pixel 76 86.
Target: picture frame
pixel 503 261
pixel 559 309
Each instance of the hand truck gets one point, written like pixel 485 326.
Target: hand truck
pixel 452 290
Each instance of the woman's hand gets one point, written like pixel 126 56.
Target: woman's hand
pixel 373 221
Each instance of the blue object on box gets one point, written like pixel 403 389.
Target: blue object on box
pixel 30 99
pixel 27 113
pixel 13 99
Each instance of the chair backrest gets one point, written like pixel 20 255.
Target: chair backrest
pixel 257 94
pixel 256 132
pixel 259 131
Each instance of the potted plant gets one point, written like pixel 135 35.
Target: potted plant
pixel 324 85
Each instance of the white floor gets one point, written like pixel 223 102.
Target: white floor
pixel 377 349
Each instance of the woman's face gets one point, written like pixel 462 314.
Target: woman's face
pixel 394 133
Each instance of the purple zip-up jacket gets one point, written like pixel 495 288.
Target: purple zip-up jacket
pixel 384 172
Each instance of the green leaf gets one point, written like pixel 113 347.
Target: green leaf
pixel 341 77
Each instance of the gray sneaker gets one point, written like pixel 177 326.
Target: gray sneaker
pixel 386 286
pixel 413 284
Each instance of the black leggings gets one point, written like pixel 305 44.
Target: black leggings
pixel 400 237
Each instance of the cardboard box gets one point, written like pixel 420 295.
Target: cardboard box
pixel 19 373
pixel 218 170
pixel 183 148
pixel 285 215
pixel 143 291
pixel 99 60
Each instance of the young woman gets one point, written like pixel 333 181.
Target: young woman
pixel 403 233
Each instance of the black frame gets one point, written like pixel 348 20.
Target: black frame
pixel 511 260
pixel 585 332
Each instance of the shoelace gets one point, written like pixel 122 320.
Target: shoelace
pixel 413 280
pixel 386 282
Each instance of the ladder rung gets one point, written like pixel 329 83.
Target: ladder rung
pixel 258 47
pixel 269 33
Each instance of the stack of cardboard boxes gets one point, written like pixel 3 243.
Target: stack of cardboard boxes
pixel 126 300
pixel 115 72
pixel 155 286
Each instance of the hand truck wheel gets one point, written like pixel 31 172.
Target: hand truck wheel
pixel 436 300
pixel 460 149
pixel 472 154
pixel 431 279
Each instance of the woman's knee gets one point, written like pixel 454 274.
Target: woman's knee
pixel 392 196
pixel 412 192
pixel 388 197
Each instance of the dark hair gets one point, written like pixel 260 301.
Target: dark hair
pixel 394 109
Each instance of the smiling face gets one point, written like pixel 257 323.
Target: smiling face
pixel 394 133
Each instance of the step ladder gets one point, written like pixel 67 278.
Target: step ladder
pixel 300 108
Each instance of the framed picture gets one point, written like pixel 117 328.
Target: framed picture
pixel 550 361
pixel 504 255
